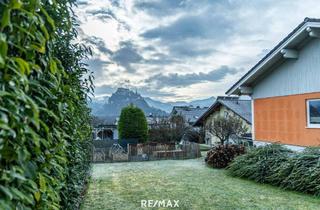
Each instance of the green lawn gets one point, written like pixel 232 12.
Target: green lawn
pixel 124 185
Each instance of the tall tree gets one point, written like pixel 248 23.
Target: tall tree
pixel 133 124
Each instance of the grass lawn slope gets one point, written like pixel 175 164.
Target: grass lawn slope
pixel 124 185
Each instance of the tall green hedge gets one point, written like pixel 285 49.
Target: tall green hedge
pixel 44 119
pixel 133 124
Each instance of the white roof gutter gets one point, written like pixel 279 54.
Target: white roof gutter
pixel 311 29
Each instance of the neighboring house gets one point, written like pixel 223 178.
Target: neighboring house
pixel 189 113
pixel 105 132
pixel 285 89
pixel 224 106
pixel 155 121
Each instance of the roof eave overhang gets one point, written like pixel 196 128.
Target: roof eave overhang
pixel 204 116
pixel 234 111
pixel 302 33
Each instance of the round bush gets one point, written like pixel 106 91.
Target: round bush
pixel 220 156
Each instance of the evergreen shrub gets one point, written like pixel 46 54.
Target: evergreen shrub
pixel 276 165
pixel 133 124
pixel 44 120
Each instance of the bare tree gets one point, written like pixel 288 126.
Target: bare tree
pixel 169 130
pixel 178 127
pixel 194 135
pixel 223 128
pixel 160 131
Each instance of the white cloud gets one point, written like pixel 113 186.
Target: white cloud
pixel 184 37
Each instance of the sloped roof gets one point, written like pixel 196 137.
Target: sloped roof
pixel 240 107
pixel 190 114
pixel 293 40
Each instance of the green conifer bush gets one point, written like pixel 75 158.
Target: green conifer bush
pixel 276 165
pixel 133 124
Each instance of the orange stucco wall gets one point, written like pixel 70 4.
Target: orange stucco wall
pixel 284 119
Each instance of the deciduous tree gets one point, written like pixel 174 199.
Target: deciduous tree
pixel 224 127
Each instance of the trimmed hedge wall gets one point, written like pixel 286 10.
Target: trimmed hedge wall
pixel 44 119
pixel 276 165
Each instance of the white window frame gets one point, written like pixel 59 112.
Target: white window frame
pixel 310 125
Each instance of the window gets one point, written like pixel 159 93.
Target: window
pixel 313 113
pixel 226 114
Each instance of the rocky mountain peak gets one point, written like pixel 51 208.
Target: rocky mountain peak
pixel 110 107
pixel 121 98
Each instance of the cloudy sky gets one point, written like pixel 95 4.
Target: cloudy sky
pixel 175 50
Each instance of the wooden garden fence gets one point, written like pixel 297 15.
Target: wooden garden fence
pixel 146 152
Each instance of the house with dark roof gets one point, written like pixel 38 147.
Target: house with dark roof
pixel 224 106
pixel 285 89
pixel 189 113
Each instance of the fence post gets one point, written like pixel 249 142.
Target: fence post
pixel 129 152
